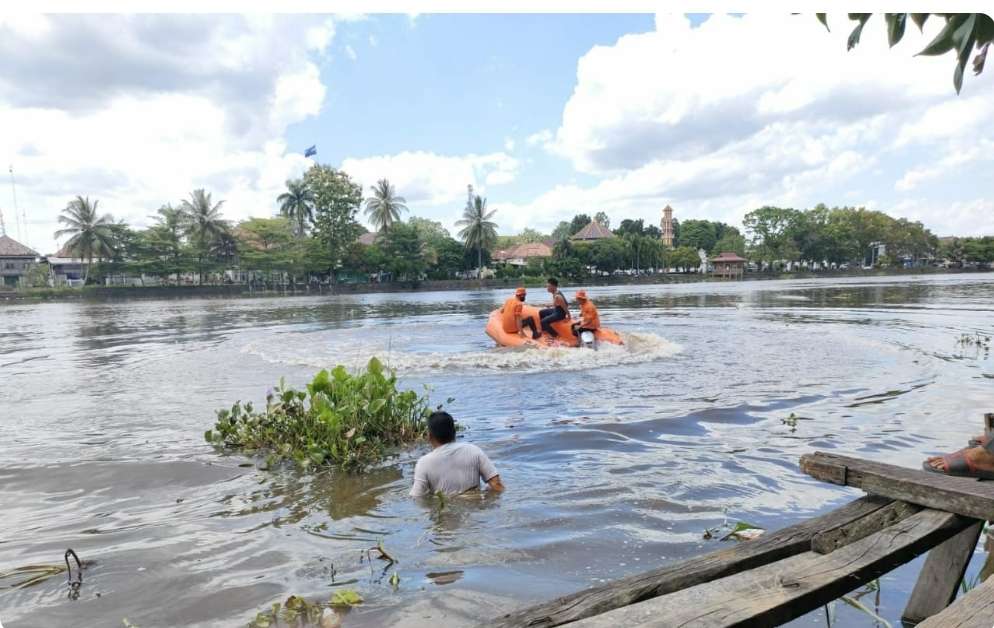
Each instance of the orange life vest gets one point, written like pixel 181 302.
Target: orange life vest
pixel 589 317
pixel 510 314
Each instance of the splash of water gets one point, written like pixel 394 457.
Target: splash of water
pixel 638 348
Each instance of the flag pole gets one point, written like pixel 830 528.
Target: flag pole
pixel 23 220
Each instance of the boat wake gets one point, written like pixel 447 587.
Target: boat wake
pixel 638 348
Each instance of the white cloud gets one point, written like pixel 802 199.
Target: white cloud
pixel 373 41
pixel 160 124
pixel 429 179
pixel 509 144
pixel 763 109
pixel 542 138
pixel 683 91
pixel 350 52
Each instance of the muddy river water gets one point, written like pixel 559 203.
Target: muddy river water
pixel 615 461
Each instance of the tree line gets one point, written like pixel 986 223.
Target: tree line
pixel 317 234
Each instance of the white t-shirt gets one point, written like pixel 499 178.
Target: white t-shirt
pixel 452 468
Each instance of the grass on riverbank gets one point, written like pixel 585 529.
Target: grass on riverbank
pixel 343 419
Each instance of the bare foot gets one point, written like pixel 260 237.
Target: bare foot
pixel 977 457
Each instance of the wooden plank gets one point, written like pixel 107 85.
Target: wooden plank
pixel 964 496
pixel 734 559
pixel 973 610
pixel 940 576
pixel 779 592
pixel 842 535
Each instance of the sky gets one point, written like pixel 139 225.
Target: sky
pixel 545 115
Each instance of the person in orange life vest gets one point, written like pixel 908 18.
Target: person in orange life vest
pixel 590 319
pixel 511 315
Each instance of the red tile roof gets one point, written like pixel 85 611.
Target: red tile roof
pixel 728 256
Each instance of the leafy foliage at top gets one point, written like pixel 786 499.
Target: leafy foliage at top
pixel 962 34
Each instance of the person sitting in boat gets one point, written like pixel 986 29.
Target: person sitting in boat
pixel 451 467
pixel 559 310
pixel 590 319
pixel 511 318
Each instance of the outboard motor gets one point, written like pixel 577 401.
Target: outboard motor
pixel 587 340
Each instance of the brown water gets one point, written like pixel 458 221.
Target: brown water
pixel 615 462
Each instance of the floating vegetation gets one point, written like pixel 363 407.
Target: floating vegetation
pixel 741 531
pixel 297 611
pixel 342 419
pixel 977 340
pixel 792 420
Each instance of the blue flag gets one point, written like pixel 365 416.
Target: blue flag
pixel 313 150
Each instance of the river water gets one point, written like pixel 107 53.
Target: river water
pixel 615 461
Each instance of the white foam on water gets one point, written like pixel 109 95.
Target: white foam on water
pixel 638 348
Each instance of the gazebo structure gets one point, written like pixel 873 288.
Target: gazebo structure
pixel 593 231
pixel 728 265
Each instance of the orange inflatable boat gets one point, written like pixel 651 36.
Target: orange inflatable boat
pixel 495 329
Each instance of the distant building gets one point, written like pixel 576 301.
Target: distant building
pixel 728 265
pixel 593 231
pixel 519 255
pixel 667 226
pixel 15 261
pixel 369 238
pixel 65 269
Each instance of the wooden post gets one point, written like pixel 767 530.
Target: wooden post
pixel 941 575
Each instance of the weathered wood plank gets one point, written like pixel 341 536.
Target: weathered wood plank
pixel 940 576
pixel 973 610
pixel 964 496
pixel 734 559
pixel 779 592
pixel 842 535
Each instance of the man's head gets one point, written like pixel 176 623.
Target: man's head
pixel 520 294
pixel 553 285
pixel 441 428
pixel 581 296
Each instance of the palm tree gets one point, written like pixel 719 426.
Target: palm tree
pixel 478 231
pixel 297 204
pixel 92 235
pixel 384 206
pixel 167 235
pixel 204 224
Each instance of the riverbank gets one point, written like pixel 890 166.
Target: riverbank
pixel 105 293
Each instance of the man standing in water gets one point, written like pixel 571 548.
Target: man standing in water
pixel 451 467
pixel 511 316
pixel 559 310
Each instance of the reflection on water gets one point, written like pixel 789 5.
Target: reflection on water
pixel 616 461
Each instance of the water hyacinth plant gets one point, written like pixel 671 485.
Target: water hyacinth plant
pixel 343 419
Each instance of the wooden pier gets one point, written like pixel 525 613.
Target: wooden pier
pixel 788 573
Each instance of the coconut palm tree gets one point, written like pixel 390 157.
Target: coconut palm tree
pixel 92 235
pixel 204 225
pixel 297 204
pixel 167 235
pixel 478 231
pixel 384 206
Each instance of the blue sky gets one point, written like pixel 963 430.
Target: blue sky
pixel 546 115
pixel 455 84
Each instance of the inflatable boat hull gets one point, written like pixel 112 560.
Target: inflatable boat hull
pixel 495 329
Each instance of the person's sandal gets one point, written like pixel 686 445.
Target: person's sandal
pixel 958 465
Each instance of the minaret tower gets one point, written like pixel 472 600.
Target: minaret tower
pixel 667 227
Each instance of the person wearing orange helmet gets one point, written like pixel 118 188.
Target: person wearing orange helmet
pixel 590 319
pixel 511 315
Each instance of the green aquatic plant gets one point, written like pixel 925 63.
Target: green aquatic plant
pixel 343 419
